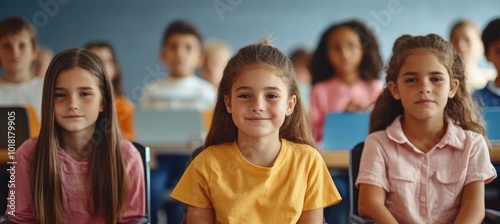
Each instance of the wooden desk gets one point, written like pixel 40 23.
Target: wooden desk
pixel 339 159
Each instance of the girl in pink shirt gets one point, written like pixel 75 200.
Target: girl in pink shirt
pixel 79 170
pixel 426 159
pixel 345 72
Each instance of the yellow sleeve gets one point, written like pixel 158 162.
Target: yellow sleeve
pixel 192 188
pixel 321 191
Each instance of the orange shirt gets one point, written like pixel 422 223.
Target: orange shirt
pixel 125 112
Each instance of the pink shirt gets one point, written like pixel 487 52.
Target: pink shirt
pixel 424 187
pixel 333 95
pixel 74 198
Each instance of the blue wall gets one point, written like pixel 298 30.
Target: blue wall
pixel 136 27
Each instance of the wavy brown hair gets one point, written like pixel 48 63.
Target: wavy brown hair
pixel 461 109
pixel 108 180
pixel 296 127
pixel 371 62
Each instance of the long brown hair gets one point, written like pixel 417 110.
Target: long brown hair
pixel 462 109
pixel 109 182
pixel 296 127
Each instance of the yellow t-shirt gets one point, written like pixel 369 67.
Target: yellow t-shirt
pixel 241 192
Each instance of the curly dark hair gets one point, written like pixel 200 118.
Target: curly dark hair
pixel 371 63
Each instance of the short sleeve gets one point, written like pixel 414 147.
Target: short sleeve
pixel 372 169
pixel 479 167
pixel 321 190
pixel 193 188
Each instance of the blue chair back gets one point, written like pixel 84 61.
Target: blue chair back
pixel 344 130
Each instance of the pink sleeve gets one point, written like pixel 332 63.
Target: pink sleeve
pixel 136 204
pixel 21 208
pixel 479 167
pixel 318 111
pixel 372 167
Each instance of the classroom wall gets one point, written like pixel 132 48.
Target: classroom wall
pixel 136 27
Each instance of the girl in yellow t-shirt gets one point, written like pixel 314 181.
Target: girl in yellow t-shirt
pixel 259 164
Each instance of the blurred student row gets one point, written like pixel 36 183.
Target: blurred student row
pixel 341 75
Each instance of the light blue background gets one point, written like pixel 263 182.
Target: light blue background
pixel 135 27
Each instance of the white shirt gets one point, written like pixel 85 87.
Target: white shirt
pixel 179 93
pixel 21 94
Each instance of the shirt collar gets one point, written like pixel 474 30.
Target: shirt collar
pixel 454 136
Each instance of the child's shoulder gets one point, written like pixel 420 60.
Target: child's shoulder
pixel 26 150
pixel 128 149
pixel 299 148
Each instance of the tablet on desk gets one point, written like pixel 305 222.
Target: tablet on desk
pixel 344 130
pixel 168 130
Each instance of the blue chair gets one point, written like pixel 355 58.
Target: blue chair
pixel 344 130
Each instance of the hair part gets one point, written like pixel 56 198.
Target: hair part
pixel 117 82
pixel 491 34
pixel 461 109
pixel 108 179
pixel 296 127
pixel 17 25
pixel 371 62
pixel 181 27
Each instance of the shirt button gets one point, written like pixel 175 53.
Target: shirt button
pixel 422 198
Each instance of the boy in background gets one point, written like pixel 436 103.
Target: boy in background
pixel 490 95
pixel 182 53
pixel 181 89
pixel 18 50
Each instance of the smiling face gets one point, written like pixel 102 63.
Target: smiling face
pixel 259 102
pixel 423 86
pixel 77 101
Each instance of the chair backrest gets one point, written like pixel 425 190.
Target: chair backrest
pixel 354 161
pixel 17 124
pixel 343 130
pixel 492 117
pixel 175 127
pixel 145 155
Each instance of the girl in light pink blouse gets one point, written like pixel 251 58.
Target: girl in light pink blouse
pixel 426 159
pixel 79 170
pixel 345 72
